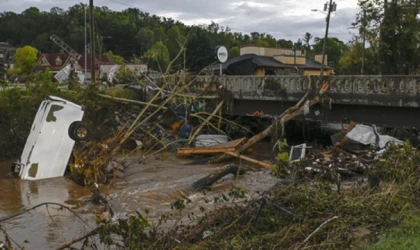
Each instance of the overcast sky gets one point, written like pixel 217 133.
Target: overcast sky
pixel 288 19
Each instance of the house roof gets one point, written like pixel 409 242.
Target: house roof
pixel 51 58
pixel 268 62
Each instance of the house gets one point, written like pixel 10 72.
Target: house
pixel 139 68
pixel 258 60
pixel 56 62
pixel 7 53
pixel 103 64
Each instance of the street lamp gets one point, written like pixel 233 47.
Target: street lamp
pixel 316 10
pixel 329 7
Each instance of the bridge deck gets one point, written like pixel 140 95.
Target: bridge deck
pixel 392 101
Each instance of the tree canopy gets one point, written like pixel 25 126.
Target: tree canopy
pixel 390 28
pixel 131 34
pixel 25 60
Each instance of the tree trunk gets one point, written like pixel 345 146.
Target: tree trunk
pixel 287 115
pixel 209 180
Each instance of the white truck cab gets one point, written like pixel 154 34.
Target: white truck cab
pixel 56 127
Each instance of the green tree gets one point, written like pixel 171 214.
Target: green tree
pixel 157 57
pixel 392 30
pixel 351 61
pixel 117 59
pixel 307 40
pixel 287 44
pixel 25 60
pixel 335 49
pixel 145 39
pixel 262 43
pixel 200 52
pixel 234 52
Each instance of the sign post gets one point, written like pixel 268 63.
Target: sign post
pixel 222 56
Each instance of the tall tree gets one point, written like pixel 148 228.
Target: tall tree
pixel 25 60
pixel 392 29
pixel 351 61
pixel 334 51
pixel 283 43
pixel 199 50
pixel 307 40
pixel 157 57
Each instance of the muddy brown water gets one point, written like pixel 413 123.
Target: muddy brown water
pixel 151 186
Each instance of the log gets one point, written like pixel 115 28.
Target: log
pixel 231 146
pixel 209 180
pixel 83 237
pixel 97 196
pixel 260 163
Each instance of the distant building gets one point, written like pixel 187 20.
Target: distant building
pixel 7 53
pixel 258 60
pixel 56 62
pixel 138 68
pixel 103 64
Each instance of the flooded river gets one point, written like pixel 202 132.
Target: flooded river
pixel 153 185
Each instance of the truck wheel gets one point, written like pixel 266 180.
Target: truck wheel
pixel 78 132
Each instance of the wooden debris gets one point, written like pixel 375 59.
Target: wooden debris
pixel 260 163
pixel 197 131
pixel 231 146
pixel 209 180
pixel 287 115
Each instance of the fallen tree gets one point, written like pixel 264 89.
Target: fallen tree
pixel 209 180
pixel 287 115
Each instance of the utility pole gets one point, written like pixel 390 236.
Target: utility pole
pixel 330 7
pixel 362 70
pixel 92 43
pixel 85 46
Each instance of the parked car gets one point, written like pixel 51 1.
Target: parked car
pixel 56 128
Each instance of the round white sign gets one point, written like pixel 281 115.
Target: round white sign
pixel 222 54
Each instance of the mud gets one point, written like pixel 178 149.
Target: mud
pixel 151 186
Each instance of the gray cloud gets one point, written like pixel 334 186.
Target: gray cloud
pixel 288 19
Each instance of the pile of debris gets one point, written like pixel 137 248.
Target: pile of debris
pixel 354 151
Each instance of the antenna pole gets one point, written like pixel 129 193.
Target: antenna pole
pixel 85 45
pixel 92 43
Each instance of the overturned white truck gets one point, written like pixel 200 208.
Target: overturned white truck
pixel 56 127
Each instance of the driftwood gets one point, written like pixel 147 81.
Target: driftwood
pixel 83 237
pixel 231 146
pixel 287 115
pixel 97 196
pixel 205 122
pixel 316 230
pixel 260 163
pixel 130 101
pixel 209 180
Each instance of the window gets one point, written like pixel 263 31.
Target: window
pixel 58 61
pixel 44 61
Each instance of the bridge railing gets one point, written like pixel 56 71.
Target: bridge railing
pixel 393 90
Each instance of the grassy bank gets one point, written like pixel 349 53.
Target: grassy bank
pixel 404 236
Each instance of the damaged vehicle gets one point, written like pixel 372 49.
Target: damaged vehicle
pixel 55 129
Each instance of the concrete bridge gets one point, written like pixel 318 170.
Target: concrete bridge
pixel 390 101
